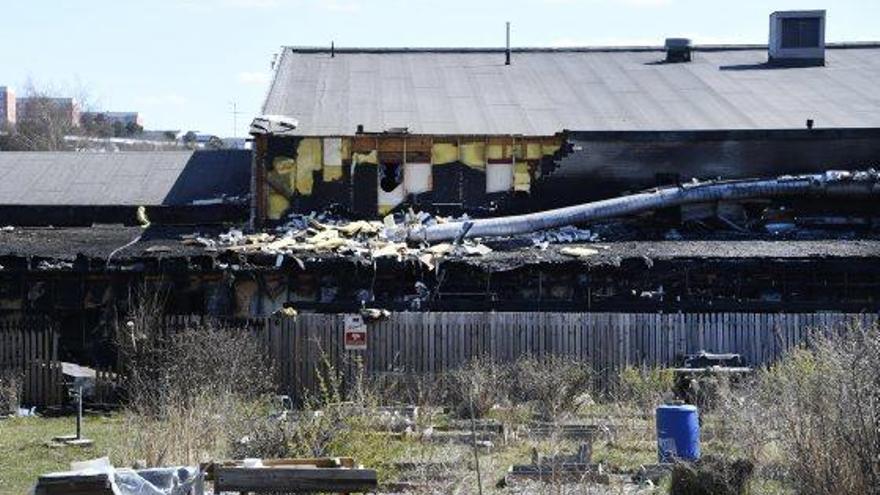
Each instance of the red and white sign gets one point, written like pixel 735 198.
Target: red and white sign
pixel 355 333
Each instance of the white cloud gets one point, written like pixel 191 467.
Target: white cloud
pixel 254 78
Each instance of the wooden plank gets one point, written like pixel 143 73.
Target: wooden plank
pixel 294 479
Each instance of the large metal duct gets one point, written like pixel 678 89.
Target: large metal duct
pixel 831 183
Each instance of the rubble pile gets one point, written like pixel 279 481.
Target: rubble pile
pixel 317 234
pixel 321 234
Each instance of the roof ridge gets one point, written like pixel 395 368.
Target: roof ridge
pixel 551 49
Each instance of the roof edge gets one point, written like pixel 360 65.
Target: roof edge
pixel 548 49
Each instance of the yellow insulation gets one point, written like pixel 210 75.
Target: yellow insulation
pixel 442 153
pixel 533 151
pixel 361 158
pixel 283 165
pixel 308 160
pixel 549 149
pixel 332 173
pixel 277 205
pixel 497 152
pixel 522 181
pixel 474 155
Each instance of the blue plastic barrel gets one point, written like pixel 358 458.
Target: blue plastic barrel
pixel 678 433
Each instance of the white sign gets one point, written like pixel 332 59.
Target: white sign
pixel 355 333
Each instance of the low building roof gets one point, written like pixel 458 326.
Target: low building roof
pixel 155 178
pixel 544 91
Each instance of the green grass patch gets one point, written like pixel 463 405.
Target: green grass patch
pixel 23 442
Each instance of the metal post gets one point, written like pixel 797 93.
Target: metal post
pixel 79 412
pixel 507 49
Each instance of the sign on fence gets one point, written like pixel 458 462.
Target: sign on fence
pixel 355 334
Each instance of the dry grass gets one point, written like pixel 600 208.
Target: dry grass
pixel 810 423
pixel 10 390
pixel 821 414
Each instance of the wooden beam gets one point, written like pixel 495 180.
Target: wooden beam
pixel 294 479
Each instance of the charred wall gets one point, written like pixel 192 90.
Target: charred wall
pixel 605 164
pixel 371 175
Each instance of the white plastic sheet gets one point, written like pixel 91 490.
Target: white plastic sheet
pixel 155 481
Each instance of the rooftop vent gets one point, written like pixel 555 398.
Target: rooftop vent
pixel 678 50
pixel 797 37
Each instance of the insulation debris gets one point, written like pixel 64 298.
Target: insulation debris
pixel 578 252
pixel 320 234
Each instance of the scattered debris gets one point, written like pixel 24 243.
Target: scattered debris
pixel 54 265
pixel 286 311
pixel 375 314
pixel 578 252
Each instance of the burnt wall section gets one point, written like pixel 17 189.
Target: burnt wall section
pixel 607 164
pixel 371 175
pixel 453 175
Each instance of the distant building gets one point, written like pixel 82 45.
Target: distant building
pixel 236 143
pixel 31 107
pixel 7 106
pixel 124 118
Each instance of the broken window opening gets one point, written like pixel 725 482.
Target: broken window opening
pixel 390 176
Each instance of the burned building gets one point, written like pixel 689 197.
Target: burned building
pixel 462 130
pixel 412 135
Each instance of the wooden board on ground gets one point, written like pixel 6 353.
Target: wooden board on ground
pixel 295 479
pixel 74 484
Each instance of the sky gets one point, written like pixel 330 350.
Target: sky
pixel 185 64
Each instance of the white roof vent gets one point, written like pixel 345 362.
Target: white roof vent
pixel 797 37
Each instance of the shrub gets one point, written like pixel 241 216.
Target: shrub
pixel 643 388
pixel 555 384
pixel 194 393
pixel 711 476
pixel 473 389
pixel 824 405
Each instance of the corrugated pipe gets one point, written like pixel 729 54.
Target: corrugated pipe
pixel 831 183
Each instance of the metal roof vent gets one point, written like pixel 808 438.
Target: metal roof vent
pixel 678 50
pixel 797 37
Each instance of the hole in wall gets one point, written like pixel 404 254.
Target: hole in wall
pixel 390 176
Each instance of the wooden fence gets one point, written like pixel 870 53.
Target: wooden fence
pixel 434 342
pixel 302 346
pixel 29 354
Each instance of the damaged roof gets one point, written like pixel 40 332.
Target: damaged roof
pixel 98 242
pixel 149 178
pixel 545 91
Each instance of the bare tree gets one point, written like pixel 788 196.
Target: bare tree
pixel 43 121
